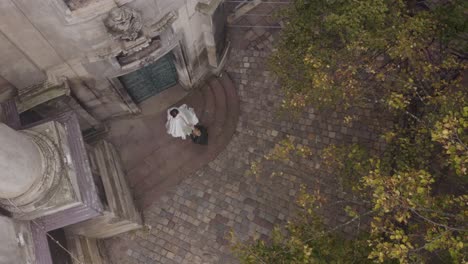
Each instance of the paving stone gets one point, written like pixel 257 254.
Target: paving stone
pixel 191 223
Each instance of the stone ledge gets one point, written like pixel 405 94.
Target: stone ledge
pixel 208 8
pixel 86 250
pixel 120 214
pixel 87 12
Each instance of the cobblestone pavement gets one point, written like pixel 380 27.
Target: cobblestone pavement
pixel 191 224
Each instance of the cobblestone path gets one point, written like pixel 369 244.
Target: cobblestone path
pixel 191 224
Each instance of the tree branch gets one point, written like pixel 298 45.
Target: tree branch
pixel 435 223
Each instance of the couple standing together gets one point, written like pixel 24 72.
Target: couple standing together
pixel 182 122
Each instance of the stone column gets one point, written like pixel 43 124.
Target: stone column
pixel 30 168
pixel 181 67
pixel 20 163
pixel 16 244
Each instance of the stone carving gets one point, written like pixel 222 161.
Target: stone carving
pixel 129 57
pixel 124 23
pixel 164 22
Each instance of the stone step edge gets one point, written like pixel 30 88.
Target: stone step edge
pixel 217 127
pixel 146 199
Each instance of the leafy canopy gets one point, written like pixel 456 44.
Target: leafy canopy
pixel 404 59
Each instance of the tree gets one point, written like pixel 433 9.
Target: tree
pixel 306 241
pixel 405 59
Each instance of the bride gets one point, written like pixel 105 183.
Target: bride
pixel 181 121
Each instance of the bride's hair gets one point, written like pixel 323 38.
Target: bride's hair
pixel 174 112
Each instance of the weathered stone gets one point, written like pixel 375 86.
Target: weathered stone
pixel 46 174
pixel 17 244
pixel 120 214
pixel 232 197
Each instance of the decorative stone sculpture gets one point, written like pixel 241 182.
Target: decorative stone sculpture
pixel 124 23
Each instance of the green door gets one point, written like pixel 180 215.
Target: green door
pixel 151 80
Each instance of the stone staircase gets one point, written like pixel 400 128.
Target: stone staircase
pixel 159 162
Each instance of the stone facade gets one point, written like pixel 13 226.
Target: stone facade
pixel 54 180
pixel 63 56
pixel 91 43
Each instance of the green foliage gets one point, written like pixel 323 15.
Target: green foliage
pixel 349 162
pixel 285 149
pixel 408 218
pixel 361 52
pixel 304 241
pixel 451 133
pixel 407 62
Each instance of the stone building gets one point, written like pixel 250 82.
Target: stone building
pixel 110 54
pixel 57 187
pixel 67 66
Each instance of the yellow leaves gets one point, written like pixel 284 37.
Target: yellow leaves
pixel 310 200
pixel 397 198
pixel 348 119
pixel 255 168
pixel 445 132
pixel 397 101
pixel 287 149
pixel 421 190
pixel 402 216
pixel 397 248
pixel 380 76
pixel 313 62
pixel 307 251
pixel 381 257
pixel 350 211
pixel 395 195
pixel 452 133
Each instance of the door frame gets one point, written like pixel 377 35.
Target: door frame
pixel 183 76
pixel 152 79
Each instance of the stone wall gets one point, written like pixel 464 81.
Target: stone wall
pixel 47 40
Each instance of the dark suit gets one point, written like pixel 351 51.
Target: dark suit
pixel 203 138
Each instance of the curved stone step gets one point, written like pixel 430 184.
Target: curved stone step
pixel 226 118
pixel 156 138
pixel 208 115
pixel 196 100
pixel 168 160
pixel 231 118
pixel 138 137
pixel 221 107
pixel 232 100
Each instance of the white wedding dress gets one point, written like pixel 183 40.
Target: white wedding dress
pixel 181 125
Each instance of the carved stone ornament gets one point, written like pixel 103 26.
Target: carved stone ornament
pixel 164 22
pixel 124 23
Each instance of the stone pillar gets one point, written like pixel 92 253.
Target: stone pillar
pixel 30 166
pixel 213 26
pixel 181 67
pixel 16 244
pixel 20 163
